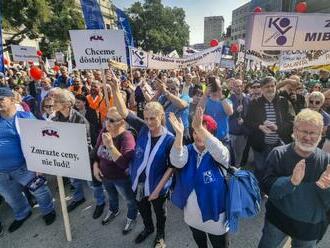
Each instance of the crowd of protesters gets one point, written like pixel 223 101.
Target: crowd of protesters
pixel 155 135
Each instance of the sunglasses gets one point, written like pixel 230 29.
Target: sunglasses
pixel 112 120
pixel 48 106
pixel 314 102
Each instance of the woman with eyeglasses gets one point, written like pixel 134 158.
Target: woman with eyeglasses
pixel 150 162
pixel 47 108
pixel 315 101
pixel 114 151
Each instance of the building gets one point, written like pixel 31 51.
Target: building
pixel 241 14
pixel 213 28
pixel 239 21
pixel 107 12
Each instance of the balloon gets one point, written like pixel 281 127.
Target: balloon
pixel 36 73
pixel 257 9
pixel 214 43
pixel 39 53
pixel 5 61
pixel 56 68
pixel 30 62
pixel 234 48
pixel 301 7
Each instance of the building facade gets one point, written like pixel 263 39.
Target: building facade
pixel 239 21
pixel 213 28
pixel 107 12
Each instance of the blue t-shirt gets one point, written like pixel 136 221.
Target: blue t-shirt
pixel 170 107
pixel 11 155
pixel 217 112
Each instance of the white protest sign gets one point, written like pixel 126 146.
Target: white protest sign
pixel 227 63
pixel 299 59
pixel 51 62
pixel 55 148
pixel 288 31
pixel 142 59
pixel 93 49
pixel 59 56
pixel 24 53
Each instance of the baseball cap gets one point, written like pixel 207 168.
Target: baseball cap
pixel 5 92
pixel 123 78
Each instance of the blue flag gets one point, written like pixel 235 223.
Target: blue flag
pixel 92 14
pixel 123 23
pixel 2 67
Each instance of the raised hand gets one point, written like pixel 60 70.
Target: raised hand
pixel 298 173
pixel 177 124
pixel 112 79
pixel 324 180
pixel 197 122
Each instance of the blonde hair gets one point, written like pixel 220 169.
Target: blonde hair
pixel 65 96
pixel 317 94
pixel 295 78
pixel 114 112
pixel 310 116
pixel 157 109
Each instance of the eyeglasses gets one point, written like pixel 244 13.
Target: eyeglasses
pixel 313 135
pixel 314 102
pixel 112 120
pixel 48 106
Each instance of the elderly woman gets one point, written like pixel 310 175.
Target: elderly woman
pixel 47 108
pixel 150 161
pixel 115 149
pixel 64 101
pixel 200 188
pixel 315 101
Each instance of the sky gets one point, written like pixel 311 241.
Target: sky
pixel 196 10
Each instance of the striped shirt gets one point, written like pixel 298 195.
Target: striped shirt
pixel 272 138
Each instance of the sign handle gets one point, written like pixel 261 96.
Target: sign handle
pixel 64 209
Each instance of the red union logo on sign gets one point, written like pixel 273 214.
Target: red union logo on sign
pixel 50 132
pixel 96 37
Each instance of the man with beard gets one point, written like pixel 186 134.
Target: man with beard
pixel 269 120
pixel 290 93
pixel 297 182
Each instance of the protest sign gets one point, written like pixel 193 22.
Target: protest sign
pixel 300 59
pixel 288 31
pixel 24 53
pixel 93 49
pixel 59 56
pixel 227 63
pixel 55 148
pixel 142 59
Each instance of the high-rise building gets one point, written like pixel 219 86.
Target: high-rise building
pixel 239 21
pixel 213 28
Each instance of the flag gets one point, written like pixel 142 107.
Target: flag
pixel 2 67
pixel 92 14
pixel 173 54
pixel 69 60
pixel 123 23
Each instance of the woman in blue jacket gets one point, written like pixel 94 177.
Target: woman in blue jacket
pixel 200 188
pixel 150 161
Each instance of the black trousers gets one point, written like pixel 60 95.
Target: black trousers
pixel 159 206
pixel 217 241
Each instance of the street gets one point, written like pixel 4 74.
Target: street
pixel 87 232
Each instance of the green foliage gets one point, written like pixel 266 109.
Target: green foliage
pixel 48 20
pixel 158 28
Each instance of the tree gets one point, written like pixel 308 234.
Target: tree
pixel 48 20
pixel 158 28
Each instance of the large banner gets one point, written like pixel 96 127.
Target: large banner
pixel 299 59
pixel 288 31
pixel 24 53
pixel 92 14
pixel 93 49
pixel 142 59
pixel 55 148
